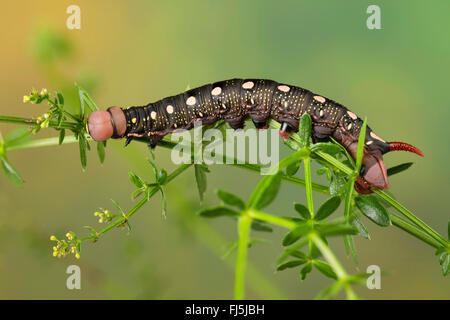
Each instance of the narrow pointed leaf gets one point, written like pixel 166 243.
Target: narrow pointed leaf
pixel 327 208
pixel 334 229
pixel 290 264
pixel 11 173
pixel 62 134
pixel 305 270
pixel 265 192
pixel 305 129
pixel 260 226
pixel 295 234
pixel 400 168
pixel 200 178
pixel 325 269
pixel 101 151
pixel 302 210
pixel 371 207
pixel 17 136
pixel 218 211
pixel 329 292
pixel 327 147
pixel 230 199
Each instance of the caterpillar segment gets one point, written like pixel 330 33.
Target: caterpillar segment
pixel 234 101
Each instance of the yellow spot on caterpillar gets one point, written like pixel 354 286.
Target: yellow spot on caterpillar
pixel 169 109
pixel 349 126
pixel 153 115
pixel 216 91
pixel 224 106
pixel 321 113
pixel 373 135
pixel 319 98
pixel 133 120
pixel 248 85
pixel 352 115
pixel 175 125
pixel 200 114
pixel 284 88
pixel 369 142
pixel 191 101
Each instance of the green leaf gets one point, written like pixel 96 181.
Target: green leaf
pixel 297 254
pixel 337 183
pixel 305 270
pixel 101 151
pixel 371 207
pixel 400 168
pixel 136 193
pixel 200 178
pixel 60 99
pixel 302 210
pixel 324 268
pixel 361 142
pixel 230 199
pixel 163 201
pixel 327 147
pixel 350 247
pixel 11 173
pixel 305 129
pixel 334 229
pixel 265 192
pixel 135 179
pixel 327 208
pixel 17 136
pixel 260 226
pixel 292 168
pixel 162 176
pixel 62 134
pixel 290 264
pixel 362 230
pixel 330 292
pixel 83 147
pixel 295 234
pixel 86 99
pixel 218 211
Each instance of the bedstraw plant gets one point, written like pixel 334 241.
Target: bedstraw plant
pixel 305 244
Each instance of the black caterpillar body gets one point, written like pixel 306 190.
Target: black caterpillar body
pixel 237 99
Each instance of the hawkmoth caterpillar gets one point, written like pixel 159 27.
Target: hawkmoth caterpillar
pixel 237 99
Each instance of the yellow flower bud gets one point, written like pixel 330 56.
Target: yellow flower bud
pixel 53 238
pixel 26 99
pixel 77 255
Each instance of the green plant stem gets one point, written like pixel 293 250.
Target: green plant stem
pixel 282 222
pixel 46 142
pixel 244 225
pixel 141 202
pixel 414 231
pixel 335 264
pixel 317 187
pixel 33 122
pixel 408 214
pixel 308 183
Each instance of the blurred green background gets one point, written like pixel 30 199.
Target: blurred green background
pixel 130 53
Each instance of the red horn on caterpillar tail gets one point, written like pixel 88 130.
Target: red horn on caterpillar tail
pixel 402 146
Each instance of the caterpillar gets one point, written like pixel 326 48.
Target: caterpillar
pixel 237 99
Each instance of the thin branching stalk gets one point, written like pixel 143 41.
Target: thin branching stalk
pixel 244 224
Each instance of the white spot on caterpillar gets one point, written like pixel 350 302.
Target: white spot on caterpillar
pixel 285 104
pixel 248 85
pixel 321 113
pixel 175 125
pixel 153 115
pixel 319 98
pixel 252 100
pixel 284 88
pixel 373 135
pixel 349 126
pixel 169 109
pixel 352 115
pixel 133 120
pixel 191 101
pixel 369 142
pixel 224 106
pixel 200 114
pixel 216 91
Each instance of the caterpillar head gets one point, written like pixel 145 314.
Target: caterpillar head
pixel 103 125
pixel 373 172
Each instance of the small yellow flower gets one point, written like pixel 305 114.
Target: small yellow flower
pixel 53 238
pixel 26 99
pixel 55 253
pixel 77 255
